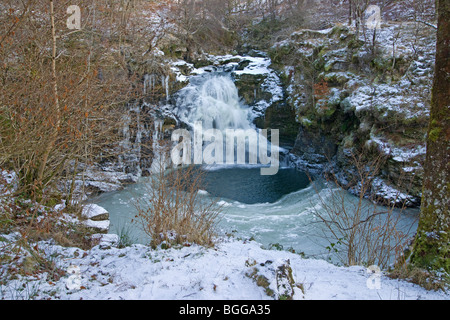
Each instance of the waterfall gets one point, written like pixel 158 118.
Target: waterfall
pixel 213 102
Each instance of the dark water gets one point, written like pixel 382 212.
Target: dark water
pixel 248 186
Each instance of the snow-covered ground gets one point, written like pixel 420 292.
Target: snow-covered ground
pixel 227 271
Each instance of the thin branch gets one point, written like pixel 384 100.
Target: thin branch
pixel 16 22
pixel 427 23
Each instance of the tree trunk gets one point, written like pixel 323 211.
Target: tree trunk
pixel 431 247
pixel 350 12
pixel 54 135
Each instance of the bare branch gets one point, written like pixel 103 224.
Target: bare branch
pixel 427 23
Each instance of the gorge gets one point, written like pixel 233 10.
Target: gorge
pixel 277 210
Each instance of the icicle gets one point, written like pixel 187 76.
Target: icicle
pixel 149 83
pixel 145 83
pixel 167 88
pixel 165 85
pixel 159 157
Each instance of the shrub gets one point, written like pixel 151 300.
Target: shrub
pixel 172 213
pixel 361 231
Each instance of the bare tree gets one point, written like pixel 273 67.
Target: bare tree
pixel 57 107
pixel 61 89
pixel 361 231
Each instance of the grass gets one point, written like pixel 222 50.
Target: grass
pixel 126 237
pixel 424 278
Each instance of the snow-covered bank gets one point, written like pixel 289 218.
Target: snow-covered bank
pixel 227 271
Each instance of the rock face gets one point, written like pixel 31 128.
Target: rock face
pixel 314 148
pixel 280 116
pixel 351 95
pixel 261 88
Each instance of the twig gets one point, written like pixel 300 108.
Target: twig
pixel 427 23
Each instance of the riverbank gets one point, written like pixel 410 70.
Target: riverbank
pixel 238 270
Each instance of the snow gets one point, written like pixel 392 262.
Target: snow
pixel 385 191
pixel 93 210
pixel 8 182
pixel 257 65
pixel 101 226
pixel 224 272
pixel 398 154
pixel 174 66
pixel 197 273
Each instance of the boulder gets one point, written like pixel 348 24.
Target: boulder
pixel 94 212
pixel 97 226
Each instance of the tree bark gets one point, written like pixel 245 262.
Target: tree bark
pixel 54 134
pixel 350 12
pixel 431 248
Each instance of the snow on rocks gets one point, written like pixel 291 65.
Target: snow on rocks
pixel 10 178
pixel 97 218
pixel 388 98
pixel 259 66
pixel 394 196
pixel 398 154
pixel 93 179
pixel 99 226
pixel 8 183
pixel 106 241
pixel 94 212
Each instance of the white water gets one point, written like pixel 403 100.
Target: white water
pixel 290 221
pixel 213 100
